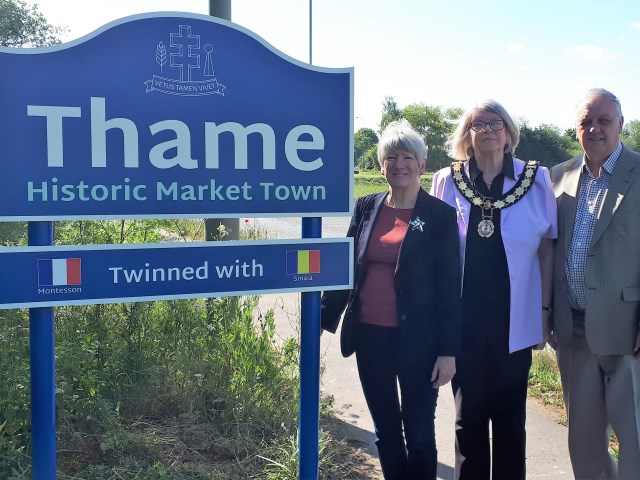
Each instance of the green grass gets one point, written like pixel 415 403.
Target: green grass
pixel 544 380
pixel 367 182
pixel 176 390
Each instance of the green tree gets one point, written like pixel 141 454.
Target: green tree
pixel 22 25
pixel 390 112
pixel 434 126
pixel 570 133
pixel 363 140
pixel 571 139
pixel 631 135
pixel 545 143
pixel 453 113
pixel 369 159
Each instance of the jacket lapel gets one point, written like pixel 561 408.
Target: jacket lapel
pixel 623 175
pixel 368 219
pixel 462 204
pixel 568 199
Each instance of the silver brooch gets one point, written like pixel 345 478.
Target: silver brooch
pixel 417 224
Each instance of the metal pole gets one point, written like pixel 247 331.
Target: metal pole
pixel 310 32
pixel 216 229
pixel 309 421
pixel 221 228
pixel 220 9
pixel 309 428
pixel 43 379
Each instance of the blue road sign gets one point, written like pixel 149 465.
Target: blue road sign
pixel 75 275
pixel 166 115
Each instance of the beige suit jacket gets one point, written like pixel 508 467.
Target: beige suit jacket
pixel 613 265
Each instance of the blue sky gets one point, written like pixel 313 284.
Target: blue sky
pixel 536 58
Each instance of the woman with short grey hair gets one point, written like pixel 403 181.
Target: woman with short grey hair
pixel 402 318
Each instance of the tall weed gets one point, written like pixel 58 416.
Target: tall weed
pixel 126 372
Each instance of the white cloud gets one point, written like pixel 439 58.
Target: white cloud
pixel 592 52
pixel 635 25
pixel 514 48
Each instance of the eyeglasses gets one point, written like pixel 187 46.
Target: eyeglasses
pixel 493 125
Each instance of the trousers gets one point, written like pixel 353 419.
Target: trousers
pixel 404 425
pixel 601 392
pixel 490 389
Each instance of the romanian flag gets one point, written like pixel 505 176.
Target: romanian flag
pixel 303 261
pixel 59 271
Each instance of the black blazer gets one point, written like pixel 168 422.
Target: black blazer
pixel 427 282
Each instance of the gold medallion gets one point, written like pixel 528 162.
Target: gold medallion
pixel 486 228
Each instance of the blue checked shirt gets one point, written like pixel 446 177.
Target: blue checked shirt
pixel 591 193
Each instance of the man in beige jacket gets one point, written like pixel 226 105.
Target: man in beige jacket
pixel 597 292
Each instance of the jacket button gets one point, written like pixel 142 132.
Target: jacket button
pixel 403 317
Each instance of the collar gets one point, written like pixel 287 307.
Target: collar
pixel 609 164
pixel 507 168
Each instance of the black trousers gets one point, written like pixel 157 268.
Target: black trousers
pixel 490 385
pixel 404 428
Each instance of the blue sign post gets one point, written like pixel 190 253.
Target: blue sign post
pixel 166 115
pixel 43 376
pixel 309 422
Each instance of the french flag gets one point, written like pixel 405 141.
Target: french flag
pixel 59 271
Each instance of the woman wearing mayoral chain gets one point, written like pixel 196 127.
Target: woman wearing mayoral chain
pixel 506 213
pixel 403 317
